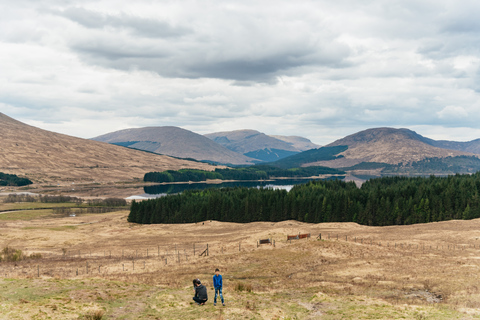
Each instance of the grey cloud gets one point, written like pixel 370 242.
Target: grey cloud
pixel 171 60
pixel 139 26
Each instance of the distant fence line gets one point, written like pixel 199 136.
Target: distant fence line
pixel 136 259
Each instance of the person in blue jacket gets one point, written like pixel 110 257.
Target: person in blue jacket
pixel 218 285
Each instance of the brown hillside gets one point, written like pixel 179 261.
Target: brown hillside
pixel 244 141
pixel 174 141
pixel 299 143
pixel 387 145
pixel 45 156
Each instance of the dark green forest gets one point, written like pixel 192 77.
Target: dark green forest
pixel 379 202
pixel 13 180
pixel 258 172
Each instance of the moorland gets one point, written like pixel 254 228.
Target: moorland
pixel 91 265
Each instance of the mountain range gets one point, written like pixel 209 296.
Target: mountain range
pixel 390 151
pixel 46 157
pixel 174 141
pixel 240 147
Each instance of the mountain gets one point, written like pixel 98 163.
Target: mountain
pixel 260 146
pixel 44 156
pixel 299 143
pixel 389 145
pixel 377 148
pixel 174 141
pixel 468 146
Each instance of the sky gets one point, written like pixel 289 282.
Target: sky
pixel 318 69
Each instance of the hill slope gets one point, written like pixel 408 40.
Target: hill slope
pixel 45 156
pixel 387 145
pixel 299 143
pixel 260 146
pixel 174 141
pixel 243 141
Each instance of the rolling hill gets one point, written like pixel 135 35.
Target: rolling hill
pixel 177 142
pixel 399 151
pixel 44 156
pixel 260 146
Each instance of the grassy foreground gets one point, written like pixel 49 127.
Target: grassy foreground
pixel 100 265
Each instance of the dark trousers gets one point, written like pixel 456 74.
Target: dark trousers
pixel 218 291
pixel 197 300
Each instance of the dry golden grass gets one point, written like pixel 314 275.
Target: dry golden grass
pixel 424 271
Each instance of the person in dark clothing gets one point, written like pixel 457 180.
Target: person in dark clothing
pixel 200 292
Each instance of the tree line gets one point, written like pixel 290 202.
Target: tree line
pixel 13 180
pixel 258 172
pixel 379 202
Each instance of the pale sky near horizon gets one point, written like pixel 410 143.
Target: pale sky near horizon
pixel 318 69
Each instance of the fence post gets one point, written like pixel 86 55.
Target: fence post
pixel 147 253
pixel 194 248
pixel 38 270
pixel 337 236
pixel 87 267
pixel 346 239
pixel 239 246
pixel 123 265
pixel 158 251
pixel 207 250
pixel 320 236
pixel 133 261
pixel 165 260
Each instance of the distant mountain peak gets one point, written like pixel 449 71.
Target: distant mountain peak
pixel 175 141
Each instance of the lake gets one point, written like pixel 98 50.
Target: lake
pixel 161 190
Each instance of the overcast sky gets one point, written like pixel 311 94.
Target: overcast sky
pixel 319 69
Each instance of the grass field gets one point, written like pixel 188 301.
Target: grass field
pixel 101 264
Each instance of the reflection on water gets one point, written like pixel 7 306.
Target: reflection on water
pixel 165 189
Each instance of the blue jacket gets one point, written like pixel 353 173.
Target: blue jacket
pixel 217 281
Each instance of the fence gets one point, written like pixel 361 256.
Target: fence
pixel 86 262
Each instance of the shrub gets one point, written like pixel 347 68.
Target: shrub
pixel 240 286
pixel 10 254
pixel 95 315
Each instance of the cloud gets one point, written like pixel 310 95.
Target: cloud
pixel 144 27
pixel 320 69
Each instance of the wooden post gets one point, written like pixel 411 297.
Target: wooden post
pixel 222 249
pixel 77 271
pixel 38 270
pixel 87 267
pixel 165 260
pixel 147 253
pixel 158 251
pixel 320 236
pixel 98 269
pixel 337 236
pixel 239 247
pixel 194 248
pixel 133 261
pixel 207 250
pixel 346 238
pixel 123 265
